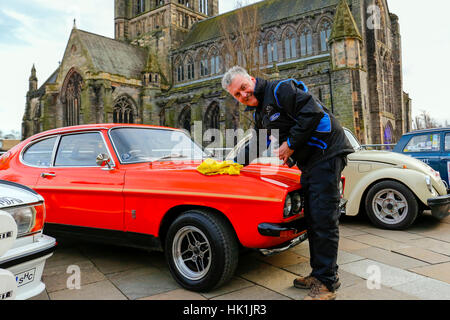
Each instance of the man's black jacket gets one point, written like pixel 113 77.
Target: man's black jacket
pixel 308 127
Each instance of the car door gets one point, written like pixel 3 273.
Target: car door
pixel 425 147
pixel 77 191
pixel 445 159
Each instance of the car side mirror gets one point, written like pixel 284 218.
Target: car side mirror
pixel 103 160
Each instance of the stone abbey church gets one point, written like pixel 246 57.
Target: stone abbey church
pixel 165 66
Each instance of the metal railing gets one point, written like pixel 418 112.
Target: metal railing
pixel 387 147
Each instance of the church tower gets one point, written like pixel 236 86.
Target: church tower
pixel 160 25
pixel 347 63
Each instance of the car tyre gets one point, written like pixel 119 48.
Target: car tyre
pixel 391 205
pixel 201 250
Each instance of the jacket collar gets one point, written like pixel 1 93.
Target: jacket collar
pixel 259 92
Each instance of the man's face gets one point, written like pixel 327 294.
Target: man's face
pixel 242 89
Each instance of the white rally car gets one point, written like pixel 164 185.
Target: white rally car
pixel 23 247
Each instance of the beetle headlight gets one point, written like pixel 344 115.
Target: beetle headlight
pixel 287 206
pixel 29 219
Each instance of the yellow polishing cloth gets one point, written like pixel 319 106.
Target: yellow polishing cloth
pixel 212 167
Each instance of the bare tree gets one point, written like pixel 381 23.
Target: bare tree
pixel 425 121
pixel 240 35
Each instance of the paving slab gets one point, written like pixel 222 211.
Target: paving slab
pixel 112 259
pixel 426 289
pixel 103 290
pixel 434 245
pixel 284 259
pixel 379 242
pixel 439 271
pixel 65 256
pixel 346 232
pixel 237 283
pixel 390 258
pixel 388 276
pixel 178 294
pixel 349 245
pixel 345 257
pixel 423 255
pixel 270 277
pixel 56 278
pixel 302 269
pixel 360 291
pixel 41 296
pixel 396 235
pixel 252 293
pixel 143 282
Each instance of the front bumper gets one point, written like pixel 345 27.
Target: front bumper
pixel 283 230
pixel 26 262
pixel 440 206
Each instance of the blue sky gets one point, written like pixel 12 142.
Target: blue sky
pixel 36 32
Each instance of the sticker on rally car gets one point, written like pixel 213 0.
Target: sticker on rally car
pixel 25 277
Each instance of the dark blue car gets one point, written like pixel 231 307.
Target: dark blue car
pixel 431 146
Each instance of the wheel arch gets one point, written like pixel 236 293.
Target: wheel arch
pixel 357 198
pixel 177 211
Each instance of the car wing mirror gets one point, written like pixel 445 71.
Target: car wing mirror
pixel 103 160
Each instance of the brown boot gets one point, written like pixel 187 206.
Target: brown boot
pixel 319 291
pixel 304 282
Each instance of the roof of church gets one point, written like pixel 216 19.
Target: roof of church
pixel 268 11
pixel 113 56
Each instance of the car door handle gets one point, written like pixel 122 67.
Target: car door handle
pixel 46 175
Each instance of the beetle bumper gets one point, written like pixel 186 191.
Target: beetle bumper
pixel 440 206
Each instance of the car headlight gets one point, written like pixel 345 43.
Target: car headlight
pixel 29 219
pixel 296 203
pixel 287 206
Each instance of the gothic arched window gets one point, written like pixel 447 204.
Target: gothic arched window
pixel 190 69
pixel 203 6
pixel 123 111
pixel 272 49
pixel 325 32
pixel 140 6
pixel 215 62
pixel 204 70
pixel 306 42
pixel 290 45
pixel 180 72
pixel 184 121
pixel 212 116
pixel 72 99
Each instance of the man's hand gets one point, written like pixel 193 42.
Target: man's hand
pixel 284 152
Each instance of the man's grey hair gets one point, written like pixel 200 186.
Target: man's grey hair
pixel 231 74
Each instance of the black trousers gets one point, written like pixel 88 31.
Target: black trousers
pixel 322 198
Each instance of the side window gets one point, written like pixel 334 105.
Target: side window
pixel 80 150
pixel 40 153
pixel 424 143
pixel 447 142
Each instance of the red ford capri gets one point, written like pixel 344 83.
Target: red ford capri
pixel 137 185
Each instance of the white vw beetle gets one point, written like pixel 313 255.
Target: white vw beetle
pixel 23 247
pixel 391 187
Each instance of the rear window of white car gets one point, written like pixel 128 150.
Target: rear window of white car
pixel 424 143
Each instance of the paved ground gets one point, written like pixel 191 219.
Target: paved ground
pixel 412 264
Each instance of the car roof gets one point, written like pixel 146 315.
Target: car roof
pixel 88 127
pixel 427 130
